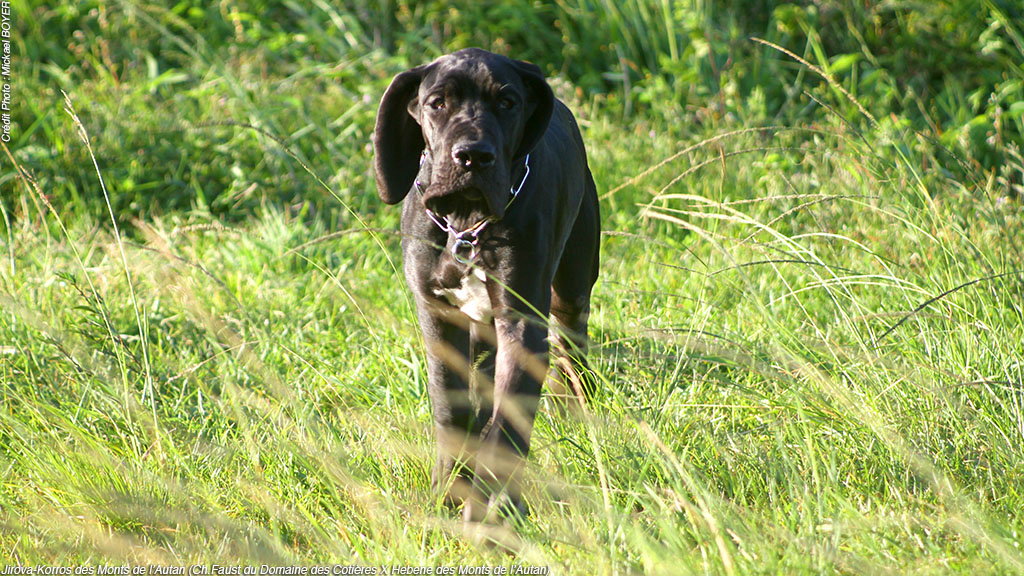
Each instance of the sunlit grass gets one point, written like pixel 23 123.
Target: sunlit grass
pixel 774 396
pixel 808 339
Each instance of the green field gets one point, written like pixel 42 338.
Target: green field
pixel 808 328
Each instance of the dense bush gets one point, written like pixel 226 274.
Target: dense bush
pixel 950 71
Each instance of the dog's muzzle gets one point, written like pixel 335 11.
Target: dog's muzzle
pixel 466 245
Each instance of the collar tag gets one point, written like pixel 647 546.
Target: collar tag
pixel 461 246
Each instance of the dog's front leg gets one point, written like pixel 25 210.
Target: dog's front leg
pixel 519 369
pixel 453 405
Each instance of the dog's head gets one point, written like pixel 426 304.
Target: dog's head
pixel 476 115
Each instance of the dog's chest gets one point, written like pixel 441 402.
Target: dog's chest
pixel 470 296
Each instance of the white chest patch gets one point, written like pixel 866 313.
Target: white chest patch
pixel 470 296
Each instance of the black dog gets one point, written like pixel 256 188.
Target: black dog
pixel 500 228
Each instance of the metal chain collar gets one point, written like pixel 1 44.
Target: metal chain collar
pixel 470 237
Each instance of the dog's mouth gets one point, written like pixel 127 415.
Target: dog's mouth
pixel 466 196
pixel 463 207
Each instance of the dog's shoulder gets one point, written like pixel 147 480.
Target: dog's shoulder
pixel 563 140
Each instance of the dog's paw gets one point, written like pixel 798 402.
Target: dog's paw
pixel 499 509
pixel 510 509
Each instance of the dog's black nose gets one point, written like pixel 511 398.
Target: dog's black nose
pixel 473 156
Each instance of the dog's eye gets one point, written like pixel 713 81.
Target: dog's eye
pixel 507 103
pixel 437 103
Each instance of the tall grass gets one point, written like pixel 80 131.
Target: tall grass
pixel 808 330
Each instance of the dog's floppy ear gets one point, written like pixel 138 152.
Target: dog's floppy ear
pixel 397 137
pixel 542 103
